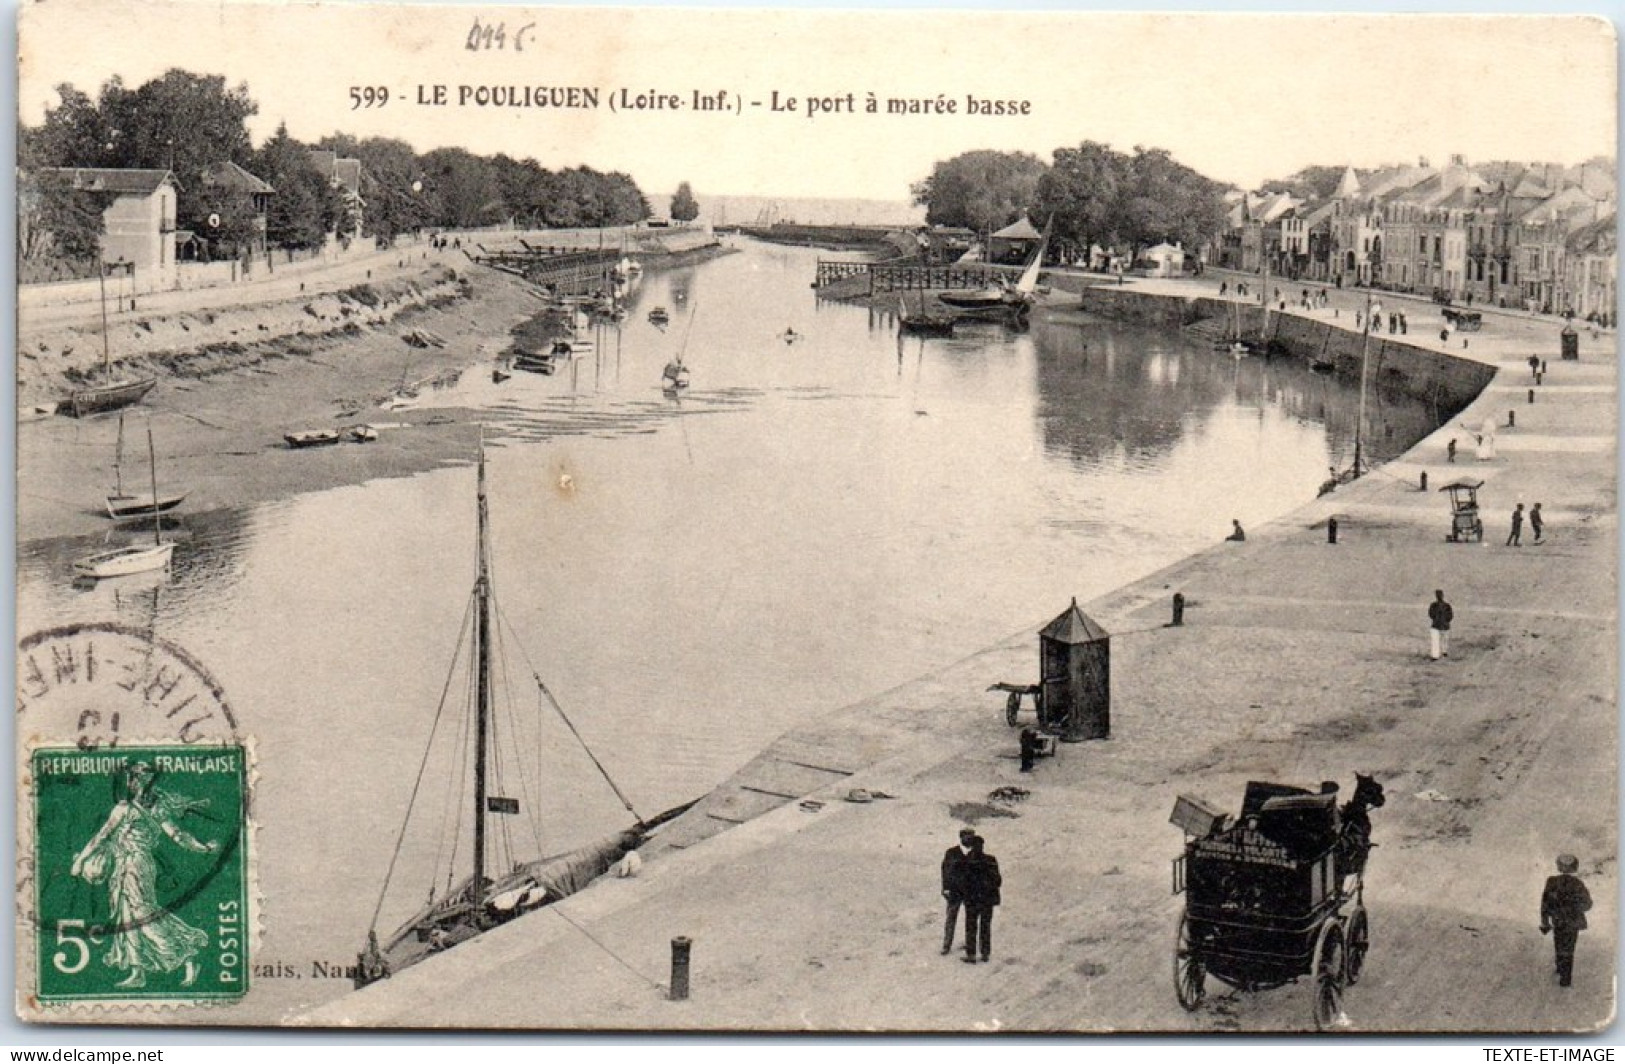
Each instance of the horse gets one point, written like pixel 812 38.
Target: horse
pixel 1354 837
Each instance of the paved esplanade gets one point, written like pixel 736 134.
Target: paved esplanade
pixel 1298 661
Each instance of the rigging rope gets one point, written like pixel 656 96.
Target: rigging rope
pixel 532 812
pixel 617 958
pixel 571 725
pixel 422 767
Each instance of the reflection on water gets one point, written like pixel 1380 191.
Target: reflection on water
pixel 810 523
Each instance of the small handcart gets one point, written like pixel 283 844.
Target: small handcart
pixel 1266 904
pixel 1465 523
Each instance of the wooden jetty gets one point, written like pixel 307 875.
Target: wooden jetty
pixel 566 270
pixel 885 277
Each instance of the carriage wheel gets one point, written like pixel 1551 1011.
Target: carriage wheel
pixel 1190 979
pixel 1012 708
pixel 1328 971
pixel 1359 942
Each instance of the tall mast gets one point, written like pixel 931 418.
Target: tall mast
pixel 152 461
pixel 118 462
pixel 1365 348
pixel 107 355
pixel 482 596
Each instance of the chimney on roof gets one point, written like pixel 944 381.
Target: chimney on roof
pixel 1458 160
pixel 1422 161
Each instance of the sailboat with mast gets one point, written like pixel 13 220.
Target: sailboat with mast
pixel 137 557
pixel 123 503
pixel 498 886
pixel 107 393
pixel 1004 299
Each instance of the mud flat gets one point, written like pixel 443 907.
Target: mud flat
pixel 1299 660
pixel 231 382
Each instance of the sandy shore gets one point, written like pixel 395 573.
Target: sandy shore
pixel 222 405
pixel 1299 661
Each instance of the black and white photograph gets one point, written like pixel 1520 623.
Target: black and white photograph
pixel 812 521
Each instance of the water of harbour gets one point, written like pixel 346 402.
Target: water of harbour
pixel 815 520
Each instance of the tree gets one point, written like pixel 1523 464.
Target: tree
pixel 466 187
pixel 1079 192
pixel 683 205
pixel 624 202
pixel 398 200
pixel 980 190
pixel 182 122
pixel 305 206
pixel 56 222
pixel 1310 183
pixel 1164 200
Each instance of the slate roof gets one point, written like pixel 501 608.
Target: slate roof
pixel 121 181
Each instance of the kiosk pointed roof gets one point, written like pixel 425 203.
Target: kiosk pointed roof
pixel 1074 626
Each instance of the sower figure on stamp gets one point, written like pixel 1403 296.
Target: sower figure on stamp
pixel 981 885
pixel 953 893
pixel 144 936
pixel 1563 907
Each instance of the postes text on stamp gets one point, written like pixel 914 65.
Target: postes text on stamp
pixel 141 882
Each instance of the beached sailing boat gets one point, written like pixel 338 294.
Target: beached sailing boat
pixel 493 892
pixel 140 503
pixel 107 393
pixel 137 557
pixel 1004 298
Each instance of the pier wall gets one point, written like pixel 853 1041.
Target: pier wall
pixel 1396 366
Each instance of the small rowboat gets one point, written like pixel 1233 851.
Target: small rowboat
pixel 312 438
pixel 125 561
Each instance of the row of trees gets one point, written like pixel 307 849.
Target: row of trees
pixel 189 123
pixel 1093 194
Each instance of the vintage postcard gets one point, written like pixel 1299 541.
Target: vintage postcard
pixel 673 519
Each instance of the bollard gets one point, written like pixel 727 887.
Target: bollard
pixel 1512 419
pixel 1424 480
pixel 1543 366
pixel 1331 522
pixel 1179 609
pixel 679 967
pixel 1538 376
pixel 1531 395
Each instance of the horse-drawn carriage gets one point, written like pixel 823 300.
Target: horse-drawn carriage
pixel 1464 320
pixel 1277 896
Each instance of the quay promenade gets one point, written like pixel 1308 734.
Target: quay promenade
pixel 1299 661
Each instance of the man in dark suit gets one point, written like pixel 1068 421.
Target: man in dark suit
pixel 980 882
pixel 1563 907
pixel 953 885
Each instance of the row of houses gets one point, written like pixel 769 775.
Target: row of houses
pixel 139 225
pixel 1535 236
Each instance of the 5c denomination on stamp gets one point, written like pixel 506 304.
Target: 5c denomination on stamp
pixel 141 872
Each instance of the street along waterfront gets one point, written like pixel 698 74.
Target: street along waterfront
pixel 819 517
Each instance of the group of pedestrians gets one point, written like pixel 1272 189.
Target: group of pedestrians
pixel 1537 525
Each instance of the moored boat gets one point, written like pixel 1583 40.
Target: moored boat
pixel 106 393
pixel 121 503
pixel 135 557
pixel 312 438
pixel 499 885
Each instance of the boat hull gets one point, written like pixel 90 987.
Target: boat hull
pixel 301 440
pixel 125 561
pixel 141 504
pixel 88 401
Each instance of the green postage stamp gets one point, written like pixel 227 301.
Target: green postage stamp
pixel 141 877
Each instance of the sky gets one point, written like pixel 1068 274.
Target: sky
pixel 1241 98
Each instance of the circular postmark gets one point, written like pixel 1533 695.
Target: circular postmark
pixel 97 683
pixel 133 826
